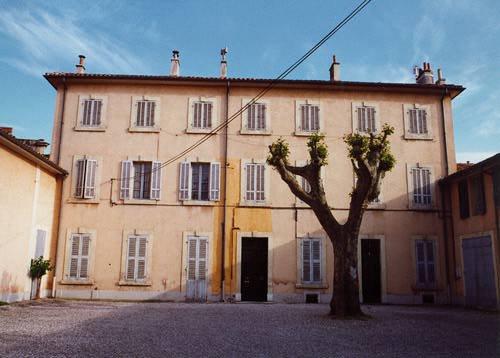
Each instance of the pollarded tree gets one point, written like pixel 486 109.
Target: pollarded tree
pixel 371 158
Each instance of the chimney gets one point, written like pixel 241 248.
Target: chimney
pixel 223 63
pixel 335 70
pixel 441 81
pixel 175 64
pixel 80 68
pixel 425 75
pixel 7 130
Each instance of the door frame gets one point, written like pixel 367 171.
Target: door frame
pixel 383 267
pixel 184 261
pixel 254 234
pixel 494 249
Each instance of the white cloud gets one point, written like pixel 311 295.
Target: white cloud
pixel 45 39
pixel 473 157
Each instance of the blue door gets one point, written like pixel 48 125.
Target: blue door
pixel 479 275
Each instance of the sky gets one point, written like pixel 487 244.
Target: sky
pixel 381 44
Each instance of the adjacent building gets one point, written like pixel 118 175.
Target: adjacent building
pixel 30 188
pixel 164 201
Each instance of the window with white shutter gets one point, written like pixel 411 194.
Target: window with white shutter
pixel 140 180
pixel 311 260
pixel 421 194
pixel 256 117
pixel 79 257
pixel 85 178
pixel 366 119
pixel 309 118
pixel 91 114
pixel 255 182
pixel 199 181
pixel 426 262
pixel 202 115
pixel 145 113
pixel 136 258
pixel 417 121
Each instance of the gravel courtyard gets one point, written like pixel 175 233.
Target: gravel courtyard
pixel 110 329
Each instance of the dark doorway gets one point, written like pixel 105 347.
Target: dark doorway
pixel 370 270
pixel 254 269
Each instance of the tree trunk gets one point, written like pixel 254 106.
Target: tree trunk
pixel 38 283
pixel 345 298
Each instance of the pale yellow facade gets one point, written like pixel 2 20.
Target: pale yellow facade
pixel 168 223
pixel 29 196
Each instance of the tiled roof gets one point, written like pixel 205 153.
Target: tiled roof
pixel 487 164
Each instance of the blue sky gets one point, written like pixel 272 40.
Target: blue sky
pixel 382 43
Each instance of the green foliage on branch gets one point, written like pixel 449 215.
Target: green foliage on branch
pixel 279 150
pixel 318 150
pixel 39 267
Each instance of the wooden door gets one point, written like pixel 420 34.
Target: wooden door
pixel 196 285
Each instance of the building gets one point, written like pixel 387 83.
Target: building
pixel 472 198
pixel 142 218
pixel 30 188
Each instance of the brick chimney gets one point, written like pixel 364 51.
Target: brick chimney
pixel 223 63
pixel 80 68
pixel 335 70
pixel 424 75
pixel 441 81
pixel 175 64
pixel 7 130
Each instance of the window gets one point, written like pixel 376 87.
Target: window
pixel 256 117
pixel 477 195
pixel 79 257
pixel 425 260
pixel 255 179
pixel 145 116
pixel 143 178
pixel 311 260
pixel 199 181
pixel 85 178
pixel 463 199
pixel 307 117
pixel 417 121
pixel 91 113
pixel 202 115
pixel 136 258
pixel 421 187
pixel 366 119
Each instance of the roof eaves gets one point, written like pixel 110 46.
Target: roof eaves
pixel 481 166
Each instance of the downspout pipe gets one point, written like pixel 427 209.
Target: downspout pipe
pixel 443 121
pixel 224 221
pixel 59 215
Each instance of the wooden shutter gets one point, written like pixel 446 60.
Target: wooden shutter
pixel 80 173
pixel 306 260
pixel 423 121
pixel 463 199
pixel 496 186
pixel 74 253
pixel 90 176
pixel 259 182
pixel 315 118
pixel 370 119
pixel 125 179
pixel 412 114
pixel 151 113
pixel 420 260
pixel 202 258
pixel 214 181
pixel 184 192
pixel 141 258
pixel 84 256
pixel 155 180
pixel 316 260
pixel 97 111
pixel 304 122
pixel 197 115
pixel 207 115
pixel 131 257
pixel 191 269
pixel 430 262
pixel 250 183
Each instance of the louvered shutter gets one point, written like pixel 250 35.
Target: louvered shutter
pixel 90 176
pixel 412 113
pixel 316 260
pixel 360 111
pixel 98 110
pixel 184 192
pixel 261 117
pixel 306 260
pixel 250 184
pixel 74 253
pixel 151 117
pixel 423 118
pixel 370 117
pixel 202 259
pixel 208 115
pixel 304 118
pixel 315 118
pixel 192 254
pixel 214 181
pixel 84 256
pixel 141 258
pixel 420 259
pixel 87 105
pixel 259 181
pixel 196 115
pixel 131 257
pixel 155 180
pixel 431 266
pixel 79 172
pixel 125 179
pixel 139 122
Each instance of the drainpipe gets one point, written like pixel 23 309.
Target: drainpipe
pixel 223 261
pixel 443 119
pixel 59 215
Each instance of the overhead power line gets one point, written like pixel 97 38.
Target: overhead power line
pixel 283 75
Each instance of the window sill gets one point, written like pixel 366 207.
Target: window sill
pixel 255 132
pixel 134 283
pixel 311 285
pixel 82 201
pixel 409 136
pixel 144 130
pixel 90 129
pixel 304 133
pixel 140 202
pixel 198 131
pixel 199 203
pixel 261 204
pixel 77 282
